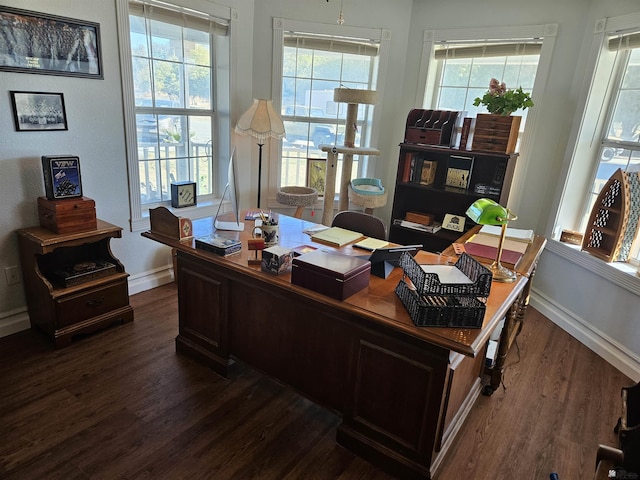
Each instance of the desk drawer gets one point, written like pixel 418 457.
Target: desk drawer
pixel 92 303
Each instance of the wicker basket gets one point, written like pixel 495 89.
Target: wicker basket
pixel 431 303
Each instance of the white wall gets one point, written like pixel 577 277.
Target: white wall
pixel 596 311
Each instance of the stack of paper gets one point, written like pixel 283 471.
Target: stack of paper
pixel 512 233
pixel 336 236
pixel 371 244
pixel 486 246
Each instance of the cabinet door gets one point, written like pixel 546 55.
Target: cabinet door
pixel 203 326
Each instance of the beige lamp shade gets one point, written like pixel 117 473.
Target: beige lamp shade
pixel 261 121
pixel 353 95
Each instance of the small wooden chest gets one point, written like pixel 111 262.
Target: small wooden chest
pixel 496 133
pixel 335 275
pixel 67 215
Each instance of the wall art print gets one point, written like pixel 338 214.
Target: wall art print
pixel 32 42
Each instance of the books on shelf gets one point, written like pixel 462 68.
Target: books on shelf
pixel 520 234
pixel 218 244
pixel 371 244
pixel 433 228
pixel 336 236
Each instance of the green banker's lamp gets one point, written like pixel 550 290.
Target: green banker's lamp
pixel 488 212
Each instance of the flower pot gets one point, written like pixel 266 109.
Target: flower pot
pixel 496 133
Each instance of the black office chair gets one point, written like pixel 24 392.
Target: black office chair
pixel 361 222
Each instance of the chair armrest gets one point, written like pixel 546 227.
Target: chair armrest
pixel 612 454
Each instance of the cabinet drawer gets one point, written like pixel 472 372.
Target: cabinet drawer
pixel 92 303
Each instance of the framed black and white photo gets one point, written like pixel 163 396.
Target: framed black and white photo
pixel 38 111
pixel 35 42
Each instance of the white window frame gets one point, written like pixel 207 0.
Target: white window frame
pixel 427 78
pixel 280 25
pixel 139 215
pixel 582 151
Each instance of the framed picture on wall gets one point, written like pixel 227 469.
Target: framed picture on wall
pixel 316 174
pixel 38 111
pixel 40 43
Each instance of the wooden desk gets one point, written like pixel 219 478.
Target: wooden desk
pixel 513 323
pixel 403 392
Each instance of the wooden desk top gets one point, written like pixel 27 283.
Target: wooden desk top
pixel 378 303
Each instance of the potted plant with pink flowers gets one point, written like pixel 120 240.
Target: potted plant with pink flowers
pixel 501 101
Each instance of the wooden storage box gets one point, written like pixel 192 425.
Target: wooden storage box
pixel 68 215
pixel 496 133
pixel 338 276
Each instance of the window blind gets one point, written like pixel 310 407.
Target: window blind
pixel 479 51
pixel 624 42
pixel 332 44
pixel 180 16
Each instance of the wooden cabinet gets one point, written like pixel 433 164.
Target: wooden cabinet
pixel 73 283
pixel 460 178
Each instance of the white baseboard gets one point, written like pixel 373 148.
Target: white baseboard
pixel 14 322
pixel 600 343
pixel 18 320
pixel 151 279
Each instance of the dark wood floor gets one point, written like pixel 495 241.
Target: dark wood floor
pixel 121 404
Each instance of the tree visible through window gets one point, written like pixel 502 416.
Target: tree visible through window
pixel 172 77
pixel 313 66
pixel 463 73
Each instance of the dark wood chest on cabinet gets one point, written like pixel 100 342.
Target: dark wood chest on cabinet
pixel 474 174
pixel 73 283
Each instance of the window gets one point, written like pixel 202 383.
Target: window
pixel 463 72
pixel 316 59
pixel 172 129
pixel 620 144
pixel 607 137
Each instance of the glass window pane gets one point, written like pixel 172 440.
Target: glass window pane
pixel 456 73
pixel 142 80
pixel 138 36
pixel 168 82
pixel 196 47
pixel 199 87
pixel 327 65
pixel 166 41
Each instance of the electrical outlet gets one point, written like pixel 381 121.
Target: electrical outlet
pixel 12 274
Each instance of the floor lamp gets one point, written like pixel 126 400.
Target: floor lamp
pixel 260 121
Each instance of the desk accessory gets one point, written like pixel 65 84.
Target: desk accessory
pixel 166 223
pixel 255 244
pixel 336 236
pixel 218 244
pixel 384 260
pixel 332 274
pixel 488 212
pixel 371 244
pixel 183 194
pixel 433 301
pixel 277 259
